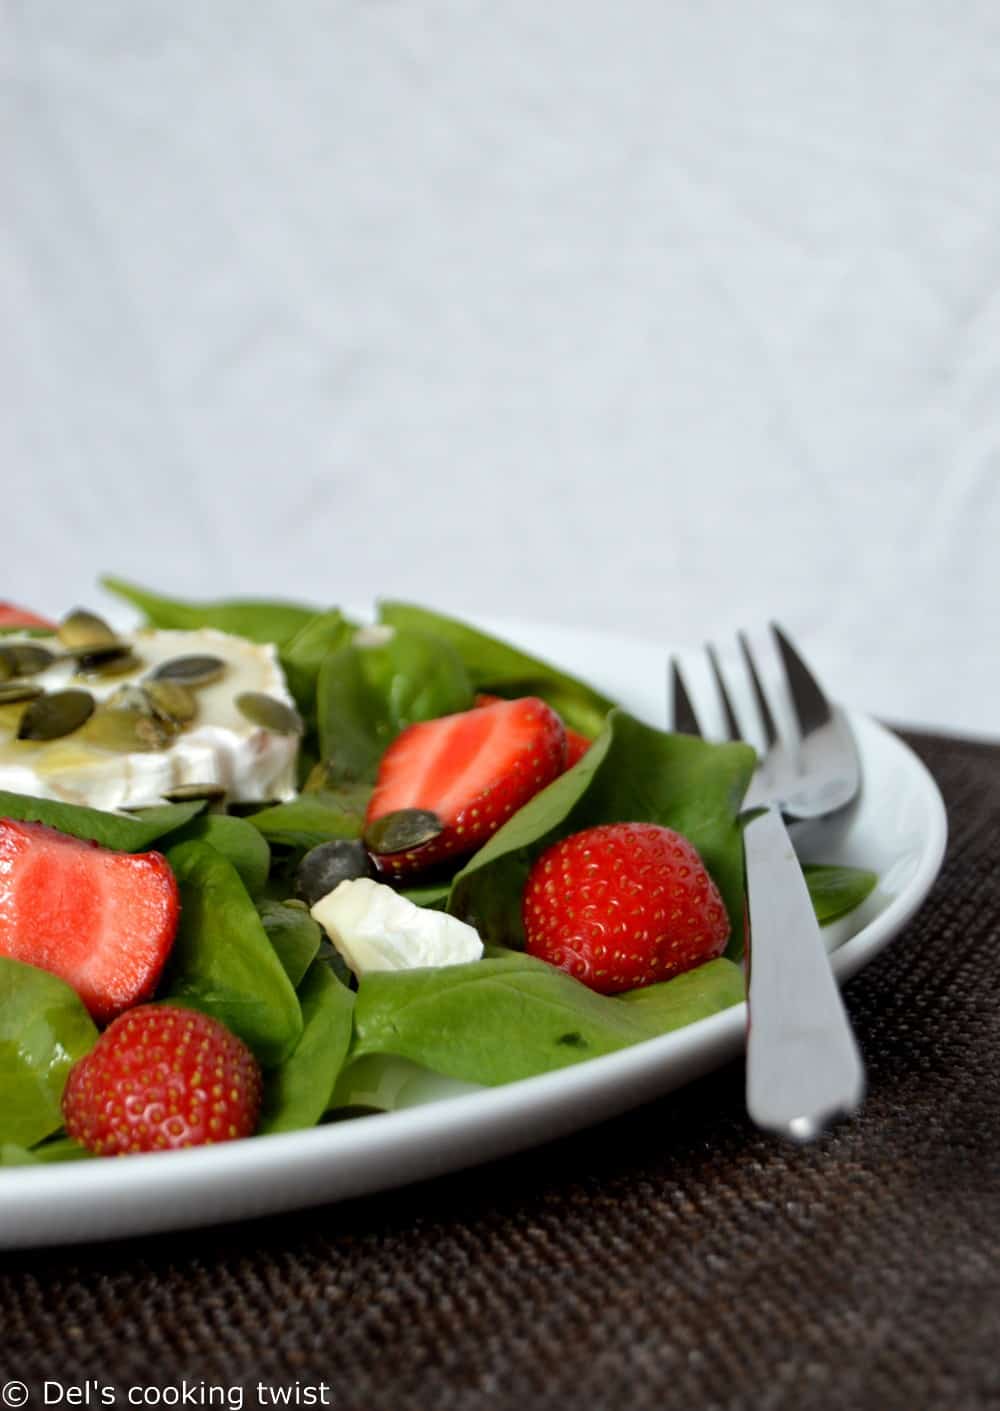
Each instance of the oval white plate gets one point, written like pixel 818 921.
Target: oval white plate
pixel 898 828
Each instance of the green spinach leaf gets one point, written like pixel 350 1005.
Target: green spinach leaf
pixel 44 1029
pixel 59 1149
pixel 303 656
pixel 511 1016
pixel 257 620
pixel 298 1092
pixel 223 962
pixel 310 819
pixel 112 830
pixel 237 840
pixel 367 694
pixel 837 890
pixel 497 666
pixel 294 935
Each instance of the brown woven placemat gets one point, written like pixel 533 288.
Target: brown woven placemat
pixel 671 1258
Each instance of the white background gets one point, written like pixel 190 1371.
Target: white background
pixel 661 316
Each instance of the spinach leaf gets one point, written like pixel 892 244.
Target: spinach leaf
pixel 44 1029
pixel 298 1092
pixel 836 890
pixel 257 620
pixel 367 694
pixel 294 935
pixel 112 830
pixel 60 1148
pixel 237 840
pixel 511 1016
pixel 223 962
pixel 631 773
pixel 497 666
pixel 302 657
pixel 303 822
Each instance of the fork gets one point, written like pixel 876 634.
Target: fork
pixel 803 1064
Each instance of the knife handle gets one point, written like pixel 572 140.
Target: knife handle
pixel 803 1064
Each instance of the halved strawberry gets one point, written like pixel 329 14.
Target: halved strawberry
pixel 13 616
pixel 473 770
pixel 577 745
pixel 102 921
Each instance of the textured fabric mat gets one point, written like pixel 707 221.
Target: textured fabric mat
pixel 671 1258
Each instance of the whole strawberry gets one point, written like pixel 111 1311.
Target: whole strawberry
pixel 160 1078
pixel 623 905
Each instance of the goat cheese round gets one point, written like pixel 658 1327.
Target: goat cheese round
pixel 375 928
pixel 220 746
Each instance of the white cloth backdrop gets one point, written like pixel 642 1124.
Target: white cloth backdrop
pixel 660 316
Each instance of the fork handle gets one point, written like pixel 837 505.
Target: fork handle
pixel 803 1064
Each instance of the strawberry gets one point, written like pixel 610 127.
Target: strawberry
pixel 12 616
pixel 472 769
pixel 577 746
pixel 623 905
pixel 160 1078
pixel 102 921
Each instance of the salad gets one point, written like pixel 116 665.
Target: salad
pixel 374 848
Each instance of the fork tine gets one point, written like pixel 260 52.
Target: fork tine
pixel 684 721
pixel 812 709
pixel 763 709
pixel 732 724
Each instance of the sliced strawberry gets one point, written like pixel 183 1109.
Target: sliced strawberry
pixel 473 770
pixel 577 745
pixel 13 616
pixel 102 921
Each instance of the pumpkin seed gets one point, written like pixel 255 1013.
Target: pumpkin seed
pixel 128 732
pixel 129 697
pixel 6 669
pixel 53 716
pixel 171 701
pixel 191 670
pixel 401 830
pixel 184 793
pixel 119 660
pixel 26 658
pixel 11 691
pixel 270 713
pixel 84 631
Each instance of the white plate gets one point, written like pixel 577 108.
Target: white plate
pixel 898 828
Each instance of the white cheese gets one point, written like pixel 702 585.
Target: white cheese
pixel 221 746
pixel 374 928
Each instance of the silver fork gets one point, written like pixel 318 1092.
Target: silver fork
pixel 803 1064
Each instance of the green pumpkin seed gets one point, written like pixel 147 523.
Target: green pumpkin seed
pixel 119 660
pixel 401 830
pixel 54 716
pixel 26 658
pixel 129 697
pixel 190 671
pixel 128 732
pixel 84 631
pixel 13 691
pixel 270 713
pixel 186 793
pixel 171 701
